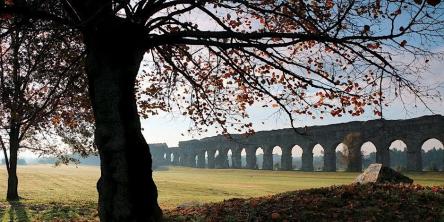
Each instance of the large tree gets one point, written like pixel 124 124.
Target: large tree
pixel 42 87
pixel 212 59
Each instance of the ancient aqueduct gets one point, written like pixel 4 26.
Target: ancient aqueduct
pixel 212 152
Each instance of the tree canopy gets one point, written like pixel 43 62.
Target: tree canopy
pixel 212 59
pixel 306 57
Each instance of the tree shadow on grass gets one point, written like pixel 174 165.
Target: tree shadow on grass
pixel 18 212
pixel 68 212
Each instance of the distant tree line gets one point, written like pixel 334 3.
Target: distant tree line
pixel 19 162
pixel 91 160
pixel 432 160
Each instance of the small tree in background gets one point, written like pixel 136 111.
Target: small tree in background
pixel 42 94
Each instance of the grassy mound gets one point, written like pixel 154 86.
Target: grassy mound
pixel 370 202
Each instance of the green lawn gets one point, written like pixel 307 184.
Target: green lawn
pixel 68 191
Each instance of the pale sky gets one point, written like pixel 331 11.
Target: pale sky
pixel 172 128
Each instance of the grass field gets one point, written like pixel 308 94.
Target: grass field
pixel 68 191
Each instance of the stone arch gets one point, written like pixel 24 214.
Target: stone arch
pixel 341 152
pixel 318 157
pixel 259 153
pixel 296 156
pixel 431 143
pixel 216 159
pixel 398 155
pixel 432 154
pixel 171 159
pixel 230 158
pixel 368 154
pixel 277 157
pixel 195 160
pixel 243 158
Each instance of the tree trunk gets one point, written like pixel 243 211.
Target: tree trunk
pixel 14 130
pixel 126 189
pixel 12 192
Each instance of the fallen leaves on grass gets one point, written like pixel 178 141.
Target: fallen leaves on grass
pixel 369 202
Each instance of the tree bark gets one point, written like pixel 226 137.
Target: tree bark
pixel 12 191
pixel 126 189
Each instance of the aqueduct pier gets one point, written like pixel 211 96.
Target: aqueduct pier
pixel 212 152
